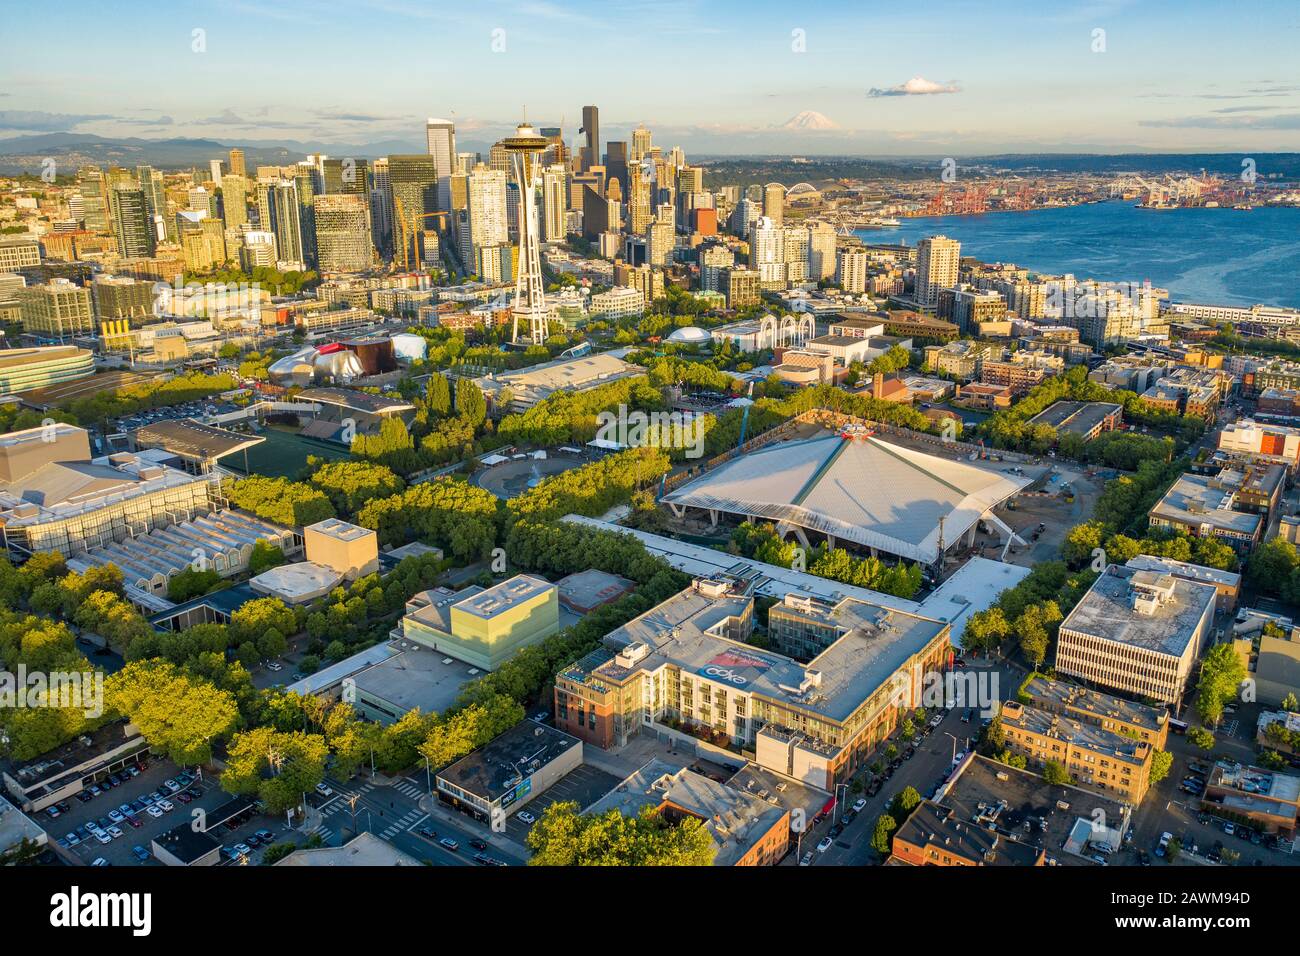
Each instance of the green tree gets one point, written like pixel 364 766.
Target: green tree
pixel 1161 763
pixel 175 712
pixel 278 767
pixel 883 834
pixel 1222 672
pixel 1054 772
pixel 1200 737
pixel 564 837
pixel 265 556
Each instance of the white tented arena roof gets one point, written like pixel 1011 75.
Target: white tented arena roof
pixel 861 490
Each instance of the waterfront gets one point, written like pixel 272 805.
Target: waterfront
pixel 1222 256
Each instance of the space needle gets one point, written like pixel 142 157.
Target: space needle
pixel 530 298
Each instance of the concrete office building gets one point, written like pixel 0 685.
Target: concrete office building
pixel 1138 632
pixel 56 310
pixel 342 233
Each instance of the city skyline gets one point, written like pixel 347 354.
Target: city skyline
pixel 732 78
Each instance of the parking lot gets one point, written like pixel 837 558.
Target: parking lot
pixel 139 827
pixel 118 851
pixel 583 785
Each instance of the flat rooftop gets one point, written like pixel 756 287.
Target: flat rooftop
pixel 736 820
pixel 365 849
pixel 359 401
pixel 414 676
pixel 1184 569
pixel 587 590
pixel 933 825
pixel 495 768
pixel 1081 734
pixel 340 530
pixel 1021 804
pixel 1203 499
pixel 504 597
pixel 688 632
pixel 570 374
pixel 1045 692
pixel 1106 612
pixel 188 438
pixel 1077 417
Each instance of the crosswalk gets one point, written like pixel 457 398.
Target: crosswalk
pixel 407 788
pixel 404 822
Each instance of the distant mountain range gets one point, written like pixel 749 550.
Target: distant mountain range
pixel 70 150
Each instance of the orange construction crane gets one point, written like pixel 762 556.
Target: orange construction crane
pixel 416 231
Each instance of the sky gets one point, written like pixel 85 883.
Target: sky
pixel 921 77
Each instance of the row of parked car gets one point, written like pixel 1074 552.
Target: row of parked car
pixel 250 842
pixel 109 827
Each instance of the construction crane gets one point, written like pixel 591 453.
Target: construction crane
pixel 415 224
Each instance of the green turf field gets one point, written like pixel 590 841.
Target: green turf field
pixel 283 454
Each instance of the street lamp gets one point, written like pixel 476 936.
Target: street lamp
pixel 954 746
pixel 839 807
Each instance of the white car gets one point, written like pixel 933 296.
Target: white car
pixel 115 831
pixel 859 805
pixel 324 790
pixel 525 816
pixel 100 861
pixel 274 666
pixel 103 837
pixel 153 811
pixel 806 860
pixel 824 845
pixel 166 806
pixel 116 816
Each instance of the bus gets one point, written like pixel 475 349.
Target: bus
pixel 1177 726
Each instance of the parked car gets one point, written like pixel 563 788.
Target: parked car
pixel 525 817
pixel 153 811
pixel 1229 828
pixel 243 849
pixel 478 844
pixel 824 845
pixel 449 844
pixel 859 804
pixel 116 815
pixel 806 859
pixel 140 853
pixel 166 806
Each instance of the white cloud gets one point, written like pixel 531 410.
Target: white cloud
pixel 916 86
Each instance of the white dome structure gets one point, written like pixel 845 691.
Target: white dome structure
pixel 407 346
pixel 690 335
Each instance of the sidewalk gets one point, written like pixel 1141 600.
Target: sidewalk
pixel 430 805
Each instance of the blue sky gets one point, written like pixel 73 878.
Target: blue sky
pixel 885 78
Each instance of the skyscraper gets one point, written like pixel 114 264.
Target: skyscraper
pixel 132 223
pixel 342 233
pixel 640 144
pixel 234 200
pixel 237 163
pixel 440 135
pixel 591 127
pixel 767 253
pixel 774 202
pixel 286 221
pixel 413 181
pixel 937 261
pixel 555 205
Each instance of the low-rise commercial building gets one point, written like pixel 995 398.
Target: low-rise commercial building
pixel 503 775
pixel 24 369
pixel 1264 799
pixel 1138 632
pixel 1085 419
pixel 745 829
pixel 1205 506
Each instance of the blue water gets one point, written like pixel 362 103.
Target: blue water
pixel 1220 256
